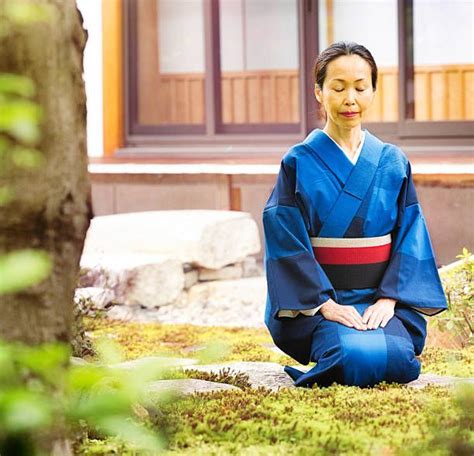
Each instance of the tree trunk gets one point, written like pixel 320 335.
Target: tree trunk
pixel 51 206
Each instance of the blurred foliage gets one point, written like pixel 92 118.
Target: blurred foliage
pixel 22 269
pixel 458 283
pixel 42 398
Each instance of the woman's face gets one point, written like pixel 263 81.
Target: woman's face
pixel 347 91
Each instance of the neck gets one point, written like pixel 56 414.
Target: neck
pixel 347 138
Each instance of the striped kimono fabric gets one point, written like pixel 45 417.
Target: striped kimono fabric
pixel 353 233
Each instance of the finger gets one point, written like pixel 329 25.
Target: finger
pixel 372 320
pixel 357 316
pixel 357 323
pixel 367 314
pixel 381 317
pixel 385 320
pixel 378 320
pixel 345 321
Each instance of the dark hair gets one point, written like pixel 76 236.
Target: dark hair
pixel 337 50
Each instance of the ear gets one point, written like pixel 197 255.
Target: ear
pixel 318 93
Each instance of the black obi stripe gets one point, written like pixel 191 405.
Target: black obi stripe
pixel 347 276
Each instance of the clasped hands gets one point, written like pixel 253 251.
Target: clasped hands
pixel 375 315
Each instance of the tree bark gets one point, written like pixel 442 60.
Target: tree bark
pixel 51 209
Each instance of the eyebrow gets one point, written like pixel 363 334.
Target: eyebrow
pixel 343 80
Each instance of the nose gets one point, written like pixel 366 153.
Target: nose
pixel 350 97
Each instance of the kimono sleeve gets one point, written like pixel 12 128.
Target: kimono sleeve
pixel 412 277
pixel 295 279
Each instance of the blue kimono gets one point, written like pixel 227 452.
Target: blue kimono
pixel 320 193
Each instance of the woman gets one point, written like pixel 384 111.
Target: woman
pixel 349 263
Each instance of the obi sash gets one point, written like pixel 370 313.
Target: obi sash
pixel 353 262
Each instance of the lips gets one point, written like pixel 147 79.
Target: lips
pixel 349 114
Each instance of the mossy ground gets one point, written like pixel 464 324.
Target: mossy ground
pixel 242 344
pixel 388 420
pixel 384 420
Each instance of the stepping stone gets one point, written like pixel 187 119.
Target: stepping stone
pixel 272 376
pixel 207 238
pixel 154 361
pixel 187 386
pixel 269 375
pixel 439 380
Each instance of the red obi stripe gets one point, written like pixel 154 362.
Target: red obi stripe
pixel 352 255
pixel 353 262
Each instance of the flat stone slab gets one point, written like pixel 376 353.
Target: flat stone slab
pixel 439 380
pixel 187 386
pixel 269 375
pixel 207 238
pixel 154 361
pixel 272 376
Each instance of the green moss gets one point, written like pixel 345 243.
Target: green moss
pixel 245 344
pixel 387 419
pixel 443 361
pixel 334 420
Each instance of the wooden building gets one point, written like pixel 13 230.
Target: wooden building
pixel 201 99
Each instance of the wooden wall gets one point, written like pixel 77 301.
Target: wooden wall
pixel 443 92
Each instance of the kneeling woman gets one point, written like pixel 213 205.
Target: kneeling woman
pixel 349 263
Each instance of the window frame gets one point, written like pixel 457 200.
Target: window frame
pixel 215 132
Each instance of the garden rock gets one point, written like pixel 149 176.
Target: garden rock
pixel 233 271
pixel 207 238
pixel 229 303
pixel 187 386
pixel 98 297
pixel 136 279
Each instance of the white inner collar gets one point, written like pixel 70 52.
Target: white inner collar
pixel 357 153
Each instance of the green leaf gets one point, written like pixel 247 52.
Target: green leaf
pixel 20 118
pixel 46 360
pixel 23 410
pixel 27 158
pixel 22 269
pixel 109 352
pixel 17 85
pixel 132 433
pixel 92 407
pixel 6 364
pixel 27 12
pixel 84 377
pixel 6 195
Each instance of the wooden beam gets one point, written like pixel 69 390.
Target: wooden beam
pixel 112 57
pixel 330 21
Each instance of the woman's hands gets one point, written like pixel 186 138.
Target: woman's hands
pixel 376 315
pixel 347 315
pixel 380 313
